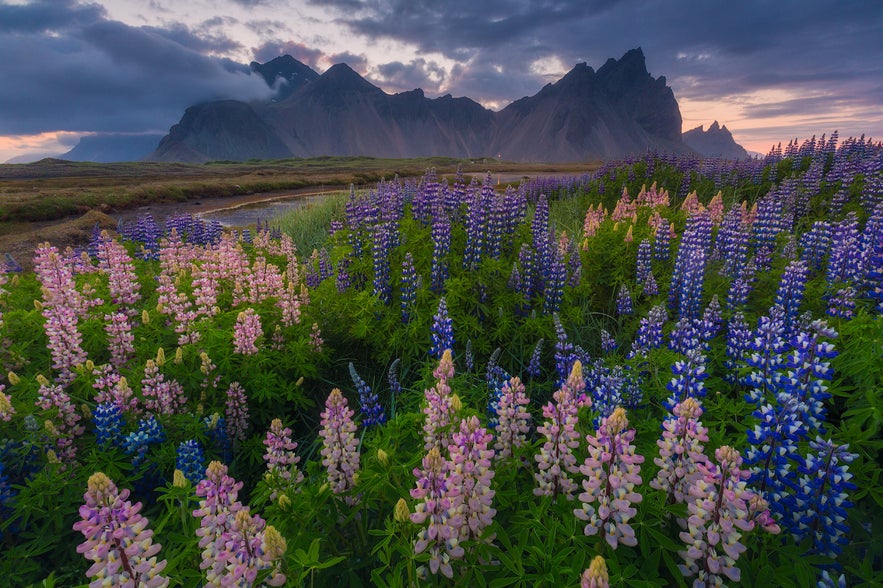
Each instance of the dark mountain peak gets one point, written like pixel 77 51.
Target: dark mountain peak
pixel 631 65
pixel 284 73
pixel 717 141
pixel 342 79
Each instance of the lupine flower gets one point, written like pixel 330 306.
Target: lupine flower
pixel 442 331
pixel 662 243
pixel 161 396
pixel 409 287
pixel 689 378
pixel 808 369
pixel 739 338
pixel 534 367
pixel 826 581
pixel 108 421
pixel 119 337
pixel 595 576
pixel 438 408
pixel 283 474
pixel 372 411
pixel 436 493
pixel 564 355
pixel 649 335
pixel 66 420
pixel 216 430
pixel 469 356
pixel 642 263
pixel 190 460
pixel 340 452
pixel 118 541
pixel 718 517
pixel 608 343
pixel 711 320
pixel 6 408
pixel 150 432
pixel 842 303
pixel 246 332
pixel 766 355
pixel 556 460
pixel 236 412
pixel 441 246
pixel 380 255
pixel 471 473
pixel 624 301
pixel 612 472
pixel 316 341
pixel 513 418
pixel 681 449
pixel 395 386
pixel 790 293
pixel 821 497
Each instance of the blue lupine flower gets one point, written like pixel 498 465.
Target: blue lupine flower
pixel 372 411
pixel 137 443
pixel 662 243
pixel 790 293
pixel 190 460
pixel 809 369
pixel 442 331
pixel 821 499
pixel 395 386
pixel 739 336
pixel 409 287
pixel 108 421
pixel 441 247
pixel 766 355
pixel 642 262
pixel 469 356
pixel 689 380
pixel 624 301
pixel 649 335
pixel 216 430
pixel 711 320
pixel 608 343
pixel 534 367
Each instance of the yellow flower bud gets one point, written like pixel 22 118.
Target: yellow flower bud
pixel 299 383
pixel 283 501
pixel 160 357
pixel 382 457
pixel 87 413
pixel 41 379
pixel 13 378
pixel 38 305
pixel 401 513
pixel 274 543
pixel 179 356
pixel 52 457
pixel 89 365
pixel 50 427
pixel 145 317
pixel 456 403
pixel 178 479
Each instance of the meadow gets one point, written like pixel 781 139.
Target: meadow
pixel 664 372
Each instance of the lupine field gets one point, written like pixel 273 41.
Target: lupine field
pixel 666 373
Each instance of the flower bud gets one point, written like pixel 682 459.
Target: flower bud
pixel 13 378
pixel 178 479
pixel 145 317
pixel 160 357
pixel 41 379
pixel 382 458
pixel 402 514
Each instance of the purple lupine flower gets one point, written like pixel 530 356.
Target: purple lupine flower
pixel 283 473
pixel 236 412
pixel 842 303
pixel 340 448
pixel 608 343
pixel 739 337
pixel 650 286
pixel 65 420
pixel 815 244
pixel 513 418
pixel 790 293
pixel 471 474
pixel 392 376
pixel 574 266
pixel 612 471
pixel 822 497
pixel 662 242
pixel 681 449
pixel 767 225
pixel 766 355
pixel 649 335
pixel 719 515
pixel 119 338
pixel 380 255
pixel 643 263
pixel 409 287
pixel 554 280
pixel 564 353
pixel 808 369
pixel 161 396
pixel 534 366
pixel 118 541
pixel 711 320
pixel 369 403
pixel 442 331
pixel 556 461
pixel 624 301
pixel 436 493
pixel 731 246
pixel 844 264
pixel 343 276
pixel 190 459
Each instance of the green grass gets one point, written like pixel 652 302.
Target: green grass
pixel 308 226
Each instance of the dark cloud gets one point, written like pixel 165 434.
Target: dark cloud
pixel 418 73
pixel 267 28
pixel 272 49
pixel 251 3
pixel 94 74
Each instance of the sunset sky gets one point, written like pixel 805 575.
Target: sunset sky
pixel 770 71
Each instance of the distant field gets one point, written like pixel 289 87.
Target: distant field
pixel 53 189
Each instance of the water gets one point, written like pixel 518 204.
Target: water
pixel 257 212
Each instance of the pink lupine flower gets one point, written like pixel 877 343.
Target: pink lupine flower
pixel 612 472
pixel 340 452
pixel 236 413
pixel 111 387
pixel 513 417
pixel 438 408
pixel 471 474
pixel 119 338
pixel 161 396
pixel 718 517
pixel 681 449
pixel 289 303
pixel 65 420
pixel 281 460
pixel 246 332
pixel 596 575
pixel 264 281
pixel 6 408
pixel 625 206
pixel 316 341
pixel 205 285
pixel 556 460
pixel 440 535
pixel 122 280
pixel 117 539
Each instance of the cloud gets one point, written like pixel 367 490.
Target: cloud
pixel 274 48
pixel 418 73
pixel 80 71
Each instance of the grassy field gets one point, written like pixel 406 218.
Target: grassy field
pixel 53 189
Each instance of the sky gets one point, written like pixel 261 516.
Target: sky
pixel 770 70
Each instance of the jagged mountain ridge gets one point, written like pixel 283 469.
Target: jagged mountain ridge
pixel 717 141
pixel 618 110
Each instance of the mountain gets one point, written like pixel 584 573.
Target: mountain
pixel 618 110
pixel 285 73
pixel 717 141
pixel 113 147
